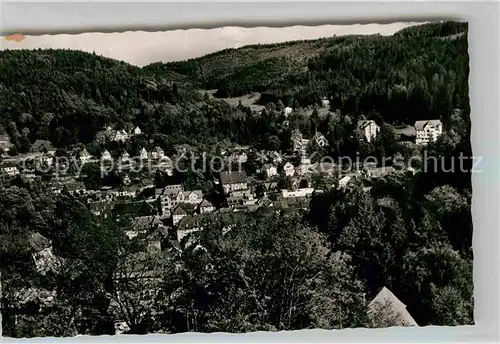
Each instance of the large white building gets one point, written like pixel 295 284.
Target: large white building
pixel 370 130
pixel 289 169
pixel 427 131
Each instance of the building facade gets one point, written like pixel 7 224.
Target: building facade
pixel 427 131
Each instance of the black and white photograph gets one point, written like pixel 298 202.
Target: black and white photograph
pixel 236 179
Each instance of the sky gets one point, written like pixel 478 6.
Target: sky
pixel 141 48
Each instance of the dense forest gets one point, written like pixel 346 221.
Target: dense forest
pixel 313 269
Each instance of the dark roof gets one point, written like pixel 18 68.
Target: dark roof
pixel 385 298
pixel 158 233
pixel 205 203
pixel 233 177
pixel 142 222
pixel 419 125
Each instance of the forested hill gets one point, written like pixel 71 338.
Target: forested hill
pixel 424 66
pixel 67 97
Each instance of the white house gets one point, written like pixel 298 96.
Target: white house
pixel 46 160
pixel 370 130
pixel 270 170
pixel 166 165
pixel 106 155
pixel 288 110
pixel 428 131
pixel 143 154
pixel 289 169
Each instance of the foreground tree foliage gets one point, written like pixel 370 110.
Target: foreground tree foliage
pixel 264 272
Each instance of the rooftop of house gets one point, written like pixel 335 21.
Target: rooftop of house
pixel 7 164
pixel 188 222
pixel 142 222
pixel 4 137
pixel 233 177
pixel 76 186
pixel 397 309
pixel 38 242
pixel 205 203
pixel 178 210
pixel 419 125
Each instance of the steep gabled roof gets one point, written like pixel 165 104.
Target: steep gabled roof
pixel 233 177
